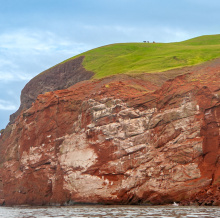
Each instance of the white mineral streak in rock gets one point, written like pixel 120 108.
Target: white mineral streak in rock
pixel 11 165
pixel 144 166
pixel 33 156
pixel 110 130
pixel 87 186
pixel 76 153
pixel 183 173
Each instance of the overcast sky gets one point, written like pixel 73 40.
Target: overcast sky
pixel 37 34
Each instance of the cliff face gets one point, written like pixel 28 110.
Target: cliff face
pixel 58 77
pixel 117 142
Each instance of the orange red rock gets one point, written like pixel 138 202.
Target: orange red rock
pixel 113 143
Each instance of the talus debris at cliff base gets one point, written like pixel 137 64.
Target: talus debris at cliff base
pixel 117 142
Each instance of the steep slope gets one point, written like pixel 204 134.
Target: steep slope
pixel 117 142
pixel 130 137
pixel 125 58
pixel 59 77
pixel 135 58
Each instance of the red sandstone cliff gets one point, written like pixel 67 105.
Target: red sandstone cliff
pixel 117 142
pixel 59 77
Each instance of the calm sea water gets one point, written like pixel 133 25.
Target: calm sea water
pixel 110 211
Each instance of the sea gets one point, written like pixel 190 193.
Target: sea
pixel 110 211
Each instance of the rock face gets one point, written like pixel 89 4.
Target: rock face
pixel 117 142
pixel 58 77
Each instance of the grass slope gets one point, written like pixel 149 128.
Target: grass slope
pixel 132 58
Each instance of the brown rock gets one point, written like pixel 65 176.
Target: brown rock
pixel 2 201
pixel 107 142
pixel 58 77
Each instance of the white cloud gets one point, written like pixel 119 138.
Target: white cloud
pixel 175 34
pixel 117 33
pixel 24 40
pixel 6 105
pixel 6 76
pixel 27 40
pixel 25 53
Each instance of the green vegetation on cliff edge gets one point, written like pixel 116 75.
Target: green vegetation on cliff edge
pixel 135 58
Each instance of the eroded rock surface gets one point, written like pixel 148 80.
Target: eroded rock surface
pixel 114 143
pixel 58 77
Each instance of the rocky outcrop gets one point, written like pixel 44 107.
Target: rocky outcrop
pixel 58 77
pixel 2 200
pixel 117 142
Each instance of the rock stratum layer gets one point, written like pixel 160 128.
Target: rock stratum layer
pixel 117 142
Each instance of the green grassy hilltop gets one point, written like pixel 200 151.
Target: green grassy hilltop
pixel 132 58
